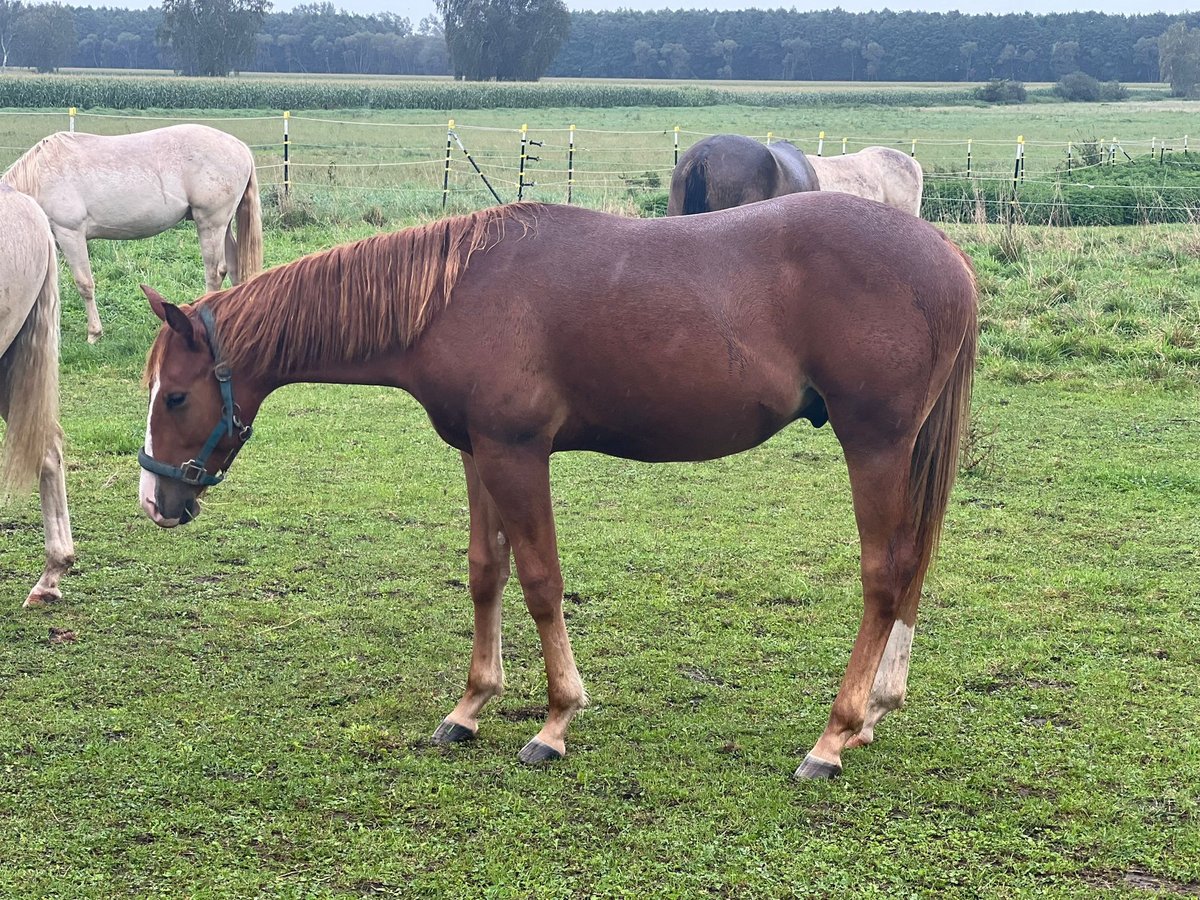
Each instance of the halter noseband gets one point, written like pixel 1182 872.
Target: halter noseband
pixel 195 470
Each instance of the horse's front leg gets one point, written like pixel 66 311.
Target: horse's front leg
pixel 73 243
pixel 877 673
pixel 488 556
pixel 518 479
pixel 60 549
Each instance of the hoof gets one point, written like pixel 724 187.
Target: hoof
pixel 94 337
pixel 535 753
pixel 452 733
pixel 813 769
pixel 40 596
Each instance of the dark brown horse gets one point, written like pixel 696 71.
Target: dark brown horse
pixel 728 170
pixel 667 339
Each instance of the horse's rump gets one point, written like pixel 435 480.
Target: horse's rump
pixel 29 358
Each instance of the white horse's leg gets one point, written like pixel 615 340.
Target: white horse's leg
pixel 60 549
pixel 74 249
pixel 212 249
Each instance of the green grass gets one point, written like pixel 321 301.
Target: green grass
pixel 246 709
pixel 360 160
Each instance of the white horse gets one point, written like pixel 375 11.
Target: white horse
pixel 877 173
pixel 138 185
pixel 29 315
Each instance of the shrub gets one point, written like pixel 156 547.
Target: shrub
pixel 1113 90
pixel 1001 90
pixel 1078 87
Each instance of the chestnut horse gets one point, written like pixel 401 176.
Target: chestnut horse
pixel 137 185
pixel 728 170
pixel 667 339
pixel 29 314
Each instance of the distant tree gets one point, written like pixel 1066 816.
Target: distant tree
pixel 46 36
pixel 504 40
pixel 873 53
pixel 851 48
pixel 796 51
pixel 129 44
pixel 724 50
pixel 1028 58
pixel 1179 58
pixel 1008 58
pixel 211 37
pixel 1064 58
pixel 675 60
pixel 10 20
pixel 645 59
pixel 1145 54
pixel 967 50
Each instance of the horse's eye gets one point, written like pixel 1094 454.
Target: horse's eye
pixel 174 400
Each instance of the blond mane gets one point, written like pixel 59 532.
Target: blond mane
pixel 352 302
pixel 23 174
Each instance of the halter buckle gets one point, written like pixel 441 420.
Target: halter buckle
pixel 223 372
pixel 192 472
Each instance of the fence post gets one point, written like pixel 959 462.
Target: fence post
pixel 570 162
pixel 287 145
pixel 446 176
pixel 1185 150
pixel 769 135
pixel 676 145
pixel 821 144
pixel 913 154
pixel 844 145
pixel 968 157
pixel 1070 148
pixel 521 165
pixel 1017 165
pixel 71 114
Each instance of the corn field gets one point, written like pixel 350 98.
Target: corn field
pixel 149 92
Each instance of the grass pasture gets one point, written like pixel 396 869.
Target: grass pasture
pixel 246 708
pixel 388 164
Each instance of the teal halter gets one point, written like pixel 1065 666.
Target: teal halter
pixel 195 470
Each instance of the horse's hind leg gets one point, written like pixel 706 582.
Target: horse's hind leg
pixel 60 550
pixel 212 250
pixel 488 556
pixel 231 254
pixel 74 249
pixel 877 673
pixel 518 478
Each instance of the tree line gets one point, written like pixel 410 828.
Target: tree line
pixel 520 39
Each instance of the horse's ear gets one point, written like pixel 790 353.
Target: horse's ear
pixel 157 301
pixel 171 314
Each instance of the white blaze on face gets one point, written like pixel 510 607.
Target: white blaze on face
pixel 149 481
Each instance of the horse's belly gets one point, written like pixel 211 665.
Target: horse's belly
pixel 673 430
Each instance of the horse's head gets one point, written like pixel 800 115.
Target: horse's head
pixel 194 428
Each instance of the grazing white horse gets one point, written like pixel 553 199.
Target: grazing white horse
pixel 877 173
pixel 138 185
pixel 29 313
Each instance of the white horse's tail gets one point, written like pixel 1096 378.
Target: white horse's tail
pixel 249 231
pixel 29 388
